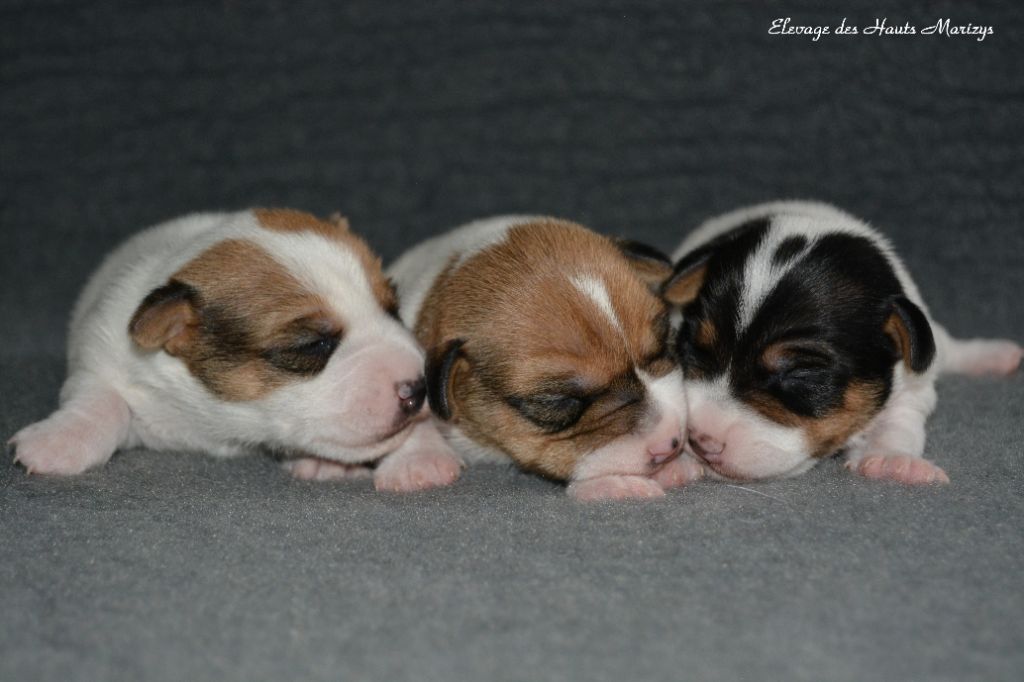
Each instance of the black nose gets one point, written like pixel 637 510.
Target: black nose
pixel 411 395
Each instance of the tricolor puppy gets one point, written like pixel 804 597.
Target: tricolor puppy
pixel 228 332
pixel 803 335
pixel 546 344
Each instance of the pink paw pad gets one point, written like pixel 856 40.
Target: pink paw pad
pixel 605 488
pixel 678 472
pixel 57 447
pixel 994 358
pixel 901 468
pixel 317 469
pixel 417 471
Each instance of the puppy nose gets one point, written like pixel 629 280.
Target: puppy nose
pixel 411 395
pixel 664 450
pixel 705 445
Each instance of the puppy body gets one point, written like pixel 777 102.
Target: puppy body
pixel 230 331
pixel 544 345
pixel 803 334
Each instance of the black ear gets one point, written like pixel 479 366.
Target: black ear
pixel 651 264
pixel 687 277
pixel 440 367
pixel 909 330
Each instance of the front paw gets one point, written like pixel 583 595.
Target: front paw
pixel 902 468
pixel 55 446
pixel 680 471
pixel 410 471
pixel 614 488
pixel 319 469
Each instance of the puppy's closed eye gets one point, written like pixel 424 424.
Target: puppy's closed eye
pixel 306 355
pixel 552 412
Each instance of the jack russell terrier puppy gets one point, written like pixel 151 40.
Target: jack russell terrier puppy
pixel 546 344
pixel 803 335
pixel 225 332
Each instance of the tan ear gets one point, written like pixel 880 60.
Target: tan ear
pixel 166 318
pixel 339 221
pixel 649 263
pixel 687 278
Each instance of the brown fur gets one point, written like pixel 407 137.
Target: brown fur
pixel 529 331
pixel 861 402
pixel 707 334
pixel 336 228
pixel 244 304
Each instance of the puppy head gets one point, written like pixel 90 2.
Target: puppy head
pixel 789 341
pixel 290 328
pixel 551 347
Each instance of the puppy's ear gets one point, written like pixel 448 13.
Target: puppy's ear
pixel 911 334
pixel 648 262
pixel 442 363
pixel 166 318
pixel 339 221
pixel 687 278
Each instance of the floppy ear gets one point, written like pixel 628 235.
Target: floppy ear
pixel 912 335
pixel 166 318
pixel 648 262
pixel 687 278
pixel 441 366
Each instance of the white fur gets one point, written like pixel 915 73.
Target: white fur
pixel 131 396
pixel 757 448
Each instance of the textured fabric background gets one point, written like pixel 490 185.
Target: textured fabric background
pixel 639 119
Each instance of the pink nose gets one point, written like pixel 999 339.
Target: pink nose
pixel 664 450
pixel 410 396
pixel 706 446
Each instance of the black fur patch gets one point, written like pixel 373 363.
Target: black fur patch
pixel 440 365
pixel 789 249
pixel 830 309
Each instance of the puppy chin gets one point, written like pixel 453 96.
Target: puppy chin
pixel 361 449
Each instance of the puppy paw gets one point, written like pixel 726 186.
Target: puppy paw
pixel 405 472
pixel 680 471
pixel 318 469
pixel 1004 359
pixel 57 446
pixel 991 357
pixel 901 468
pixel 614 488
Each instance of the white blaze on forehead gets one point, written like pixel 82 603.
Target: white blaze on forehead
pixel 761 272
pixel 594 289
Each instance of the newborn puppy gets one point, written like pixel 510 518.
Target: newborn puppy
pixel 802 335
pixel 546 344
pixel 224 332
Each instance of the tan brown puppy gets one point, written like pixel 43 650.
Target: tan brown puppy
pixel 229 333
pixel 546 344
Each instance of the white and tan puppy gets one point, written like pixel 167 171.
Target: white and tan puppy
pixel 545 344
pixel 803 335
pixel 225 332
